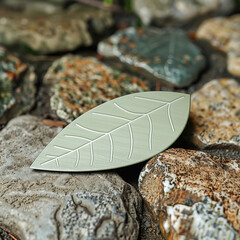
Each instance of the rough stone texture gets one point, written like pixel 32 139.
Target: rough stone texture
pixel 17 86
pixel 38 205
pixel 46 33
pixel 224 34
pixel 79 84
pixel 193 195
pixel 179 11
pixel 215 115
pixel 165 55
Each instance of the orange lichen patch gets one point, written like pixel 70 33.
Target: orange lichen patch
pixel 188 178
pixel 83 83
pixel 124 40
pixel 214 115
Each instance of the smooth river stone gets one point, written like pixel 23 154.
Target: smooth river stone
pixel 17 86
pixel 48 33
pixel 215 115
pixel 224 34
pixel 38 205
pixel 179 11
pixel 81 83
pixel 193 195
pixel 165 55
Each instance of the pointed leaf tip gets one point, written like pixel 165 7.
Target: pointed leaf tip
pixel 118 133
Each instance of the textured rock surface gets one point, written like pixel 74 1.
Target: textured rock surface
pixel 179 11
pixel 166 55
pixel 224 34
pixel 215 115
pixel 17 89
pixel 47 33
pixel 37 205
pixel 193 195
pixel 79 84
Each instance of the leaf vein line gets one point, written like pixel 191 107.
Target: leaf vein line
pixel 113 116
pixel 88 129
pixel 84 138
pixel 111 147
pixel 139 116
pixel 150 132
pixel 131 141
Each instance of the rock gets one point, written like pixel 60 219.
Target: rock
pixel 17 86
pixel 47 33
pixel 193 195
pixel 38 205
pixel 166 55
pixel 179 11
pixel 224 34
pixel 215 115
pixel 79 84
pixel 19 4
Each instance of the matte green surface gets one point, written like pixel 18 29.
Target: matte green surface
pixel 121 132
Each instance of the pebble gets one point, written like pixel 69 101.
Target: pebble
pixel 224 34
pixel 81 83
pixel 38 205
pixel 161 54
pixel 193 195
pixel 214 115
pixel 48 33
pixel 179 11
pixel 17 86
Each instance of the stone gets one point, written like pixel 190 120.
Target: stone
pixel 193 195
pixel 161 54
pixel 45 33
pixel 17 86
pixel 215 115
pixel 224 34
pixel 179 11
pixel 39 205
pixel 81 83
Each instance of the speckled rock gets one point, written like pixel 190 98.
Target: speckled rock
pixel 166 55
pixel 179 11
pixel 215 115
pixel 17 87
pixel 38 205
pixel 79 84
pixel 193 195
pixel 224 34
pixel 47 33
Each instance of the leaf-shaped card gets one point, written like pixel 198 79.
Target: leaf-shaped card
pixel 118 133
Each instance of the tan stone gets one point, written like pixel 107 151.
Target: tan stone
pixel 215 115
pixel 224 34
pixel 193 195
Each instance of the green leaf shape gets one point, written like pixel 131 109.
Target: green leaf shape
pixel 118 133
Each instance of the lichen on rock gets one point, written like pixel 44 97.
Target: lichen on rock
pixel 81 83
pixel 192 194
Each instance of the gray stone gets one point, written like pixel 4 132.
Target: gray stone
pixel 47 33
pixel 38 205
pixel 179 11
pixel 166 55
